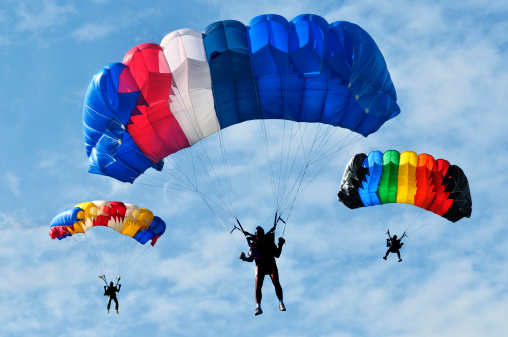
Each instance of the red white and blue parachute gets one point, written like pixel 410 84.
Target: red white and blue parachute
pixel 167 97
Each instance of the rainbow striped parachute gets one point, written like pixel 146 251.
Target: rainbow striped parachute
pixel 138 223
pixel 167 97
pixel 392 177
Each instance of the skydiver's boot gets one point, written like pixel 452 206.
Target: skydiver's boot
pixel 117 312
pixel 384 257
pixel 258 310
pixel 108 311
pixel 400 260
pixel 281 306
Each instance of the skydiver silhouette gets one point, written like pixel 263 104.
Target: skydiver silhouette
pixel 394 245
pixel 263 250
pixel 111 291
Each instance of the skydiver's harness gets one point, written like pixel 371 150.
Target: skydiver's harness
pixel 389 241
pixel 103 277
pixel 251 237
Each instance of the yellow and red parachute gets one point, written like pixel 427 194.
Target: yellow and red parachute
pixel 131 220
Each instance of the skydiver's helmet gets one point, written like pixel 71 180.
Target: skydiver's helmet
pixel 111 283
pixel 395 237
pixel 259 231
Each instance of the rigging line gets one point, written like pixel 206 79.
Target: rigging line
pixel 91 243
pixel 284 194
pixel 294 199
pixel 197 191
pixel 264 135
pixel 288 173
pixel 337 147
pixel 303 173
pixel 127 268
pixel 431 223
pixel 209 201
pixel 130 251
pixel 193 189
pixel 300 176
pixel 289 191
pixel 222 224
pixel 152 158
pixel 230 232
pixel 329 135
pixel 300 180
pixel 228 178
pixel 208 178
pixel 148 176
pixel 200 137
pixel 74 246
pixel 174 143
pixel 267 152
pixel 279 192
pixel 322 140
pixel 315 175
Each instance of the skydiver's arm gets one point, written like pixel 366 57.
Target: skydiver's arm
pixel 246 258
pixel 278 250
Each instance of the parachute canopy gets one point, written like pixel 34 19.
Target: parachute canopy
pixel 164 98
pixel 392 177
pixel 130 220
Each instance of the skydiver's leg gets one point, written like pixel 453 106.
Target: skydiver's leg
pixel 116 303
pixel 109 302
pixel 398 253
pixel 275 280
pixel 259 284
pixel 387 252
pixel 278 289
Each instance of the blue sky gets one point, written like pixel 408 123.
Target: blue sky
pixel 448 65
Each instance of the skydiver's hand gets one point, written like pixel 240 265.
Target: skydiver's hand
pixel 281 241
pixel 402 244
pixel 242 256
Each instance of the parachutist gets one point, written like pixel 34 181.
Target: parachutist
pixel 394 245
pixel 263 250
pixel 111 291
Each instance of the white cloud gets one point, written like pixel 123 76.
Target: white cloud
pixel 93 31
pixel 12 182
pixel 41 15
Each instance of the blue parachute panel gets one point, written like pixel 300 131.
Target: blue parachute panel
pixel 156 229
pixel 110 99
pixel 368 190
pixel 227 51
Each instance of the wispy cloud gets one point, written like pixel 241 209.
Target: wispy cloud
pixel 123 20
pixel 12 182
pixel 91 31
pixel 35 16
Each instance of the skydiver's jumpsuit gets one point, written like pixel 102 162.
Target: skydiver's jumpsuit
pixel 264 251
pixel 111 292
pixel 394 247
